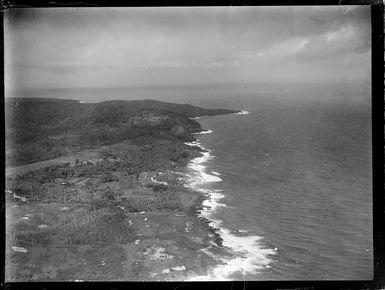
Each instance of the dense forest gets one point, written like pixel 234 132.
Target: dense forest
pixel 40 129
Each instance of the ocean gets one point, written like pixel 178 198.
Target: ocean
pixel 291 191
pixel 289 181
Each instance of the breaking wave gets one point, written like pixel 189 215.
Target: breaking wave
pixel 243 112
pixel 242 254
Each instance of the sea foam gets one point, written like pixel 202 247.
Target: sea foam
pixel 204 132
pixel 243 112
pixel 247 255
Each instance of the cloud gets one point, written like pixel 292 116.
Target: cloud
pixel 112 47
pixel 281 49
pixel 344 33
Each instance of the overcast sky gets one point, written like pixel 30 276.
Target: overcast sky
pixel 122 47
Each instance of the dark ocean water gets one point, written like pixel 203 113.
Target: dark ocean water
pixel 297 175
pixel 290 183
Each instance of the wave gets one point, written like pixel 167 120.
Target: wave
pixel 196 118
pixel 195 143
pixel 196 165
pixel 243 112
pixel 204 132
pixel 216 173
pixel 242 254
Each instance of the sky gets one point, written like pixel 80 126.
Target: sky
pixel 59 48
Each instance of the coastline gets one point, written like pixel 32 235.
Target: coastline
pixel 124 191
pixel 178 244
pixel 239 253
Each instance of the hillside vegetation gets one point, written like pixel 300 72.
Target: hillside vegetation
pixel 41 129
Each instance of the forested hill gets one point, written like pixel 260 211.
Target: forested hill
pixel 187 110
pixel 39 129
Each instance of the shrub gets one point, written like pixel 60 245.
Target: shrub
pixel 109 177
pixel 158 187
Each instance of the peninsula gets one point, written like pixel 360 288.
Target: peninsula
pixel 97 191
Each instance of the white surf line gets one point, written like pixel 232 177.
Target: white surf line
pixel 249 255
pixel 196 165
pixel 196 118
pixel 243 112
pixel 204 132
